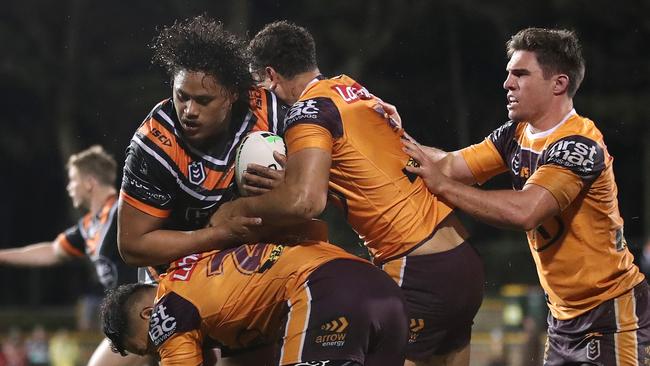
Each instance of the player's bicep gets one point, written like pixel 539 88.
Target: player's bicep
pixel 309 170
pixel 133 224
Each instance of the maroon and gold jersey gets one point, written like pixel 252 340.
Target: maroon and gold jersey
pixel 390 209
pixel 581 255
pixel 166 177
pixel 95 236
pixel 234 299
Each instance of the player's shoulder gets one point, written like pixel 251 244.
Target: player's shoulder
pixel 341 88
pixel 159 127
pixel 269 110
pixel 578 145
pixel 578 125
pixel 506 132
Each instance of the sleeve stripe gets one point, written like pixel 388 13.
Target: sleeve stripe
pixel 67 246
pixel 150 210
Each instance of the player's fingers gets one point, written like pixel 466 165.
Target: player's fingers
pixel 261 181
pixel 250 221
pixel 254 191
pixel 412 150
pixel 280 158
pixel 255 170
pixel 413 169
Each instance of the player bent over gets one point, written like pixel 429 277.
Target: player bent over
pixel 315 303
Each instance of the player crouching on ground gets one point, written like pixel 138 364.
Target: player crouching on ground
pixel 311 301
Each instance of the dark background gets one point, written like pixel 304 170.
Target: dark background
pixel 76 72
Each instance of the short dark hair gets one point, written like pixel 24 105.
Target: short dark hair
pixel 287 47
pixel 115 313
pixel 557 51
pixel 95 161
pixel 202 44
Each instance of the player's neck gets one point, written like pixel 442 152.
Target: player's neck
pixel 552 116
pixel 300 82
pixel 99 197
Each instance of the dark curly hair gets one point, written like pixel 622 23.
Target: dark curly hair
pixel 115 313
pixel 287 47
pixel 557 51
pixel 202 44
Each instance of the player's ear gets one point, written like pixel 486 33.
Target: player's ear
pixel 561 84
pixel 271 73
pixel 146 313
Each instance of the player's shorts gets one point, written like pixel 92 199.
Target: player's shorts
pixel 616 332
pixel 443 293
pixel 346 310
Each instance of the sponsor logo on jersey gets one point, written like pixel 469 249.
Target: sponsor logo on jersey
pixel 578 153
pixel 142 191
pixel 196 172
pixel 352 93
pixel 301 110
pixel 185 267
pixel 415 326
pixel 161 137
pixel 161 325
pixel 335 333
pixel 313 363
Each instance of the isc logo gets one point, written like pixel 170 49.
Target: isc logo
pixel 572 153
pixel 161 325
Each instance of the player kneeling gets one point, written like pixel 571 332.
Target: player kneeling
pixel 313 302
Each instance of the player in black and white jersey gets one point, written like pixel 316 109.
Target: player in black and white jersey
pixel 91 175
pixel 179 165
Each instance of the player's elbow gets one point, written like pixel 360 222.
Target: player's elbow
pixel 526 219
pixel 127 247
pixel 308 204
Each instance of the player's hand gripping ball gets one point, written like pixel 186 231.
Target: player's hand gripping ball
pixel 257 148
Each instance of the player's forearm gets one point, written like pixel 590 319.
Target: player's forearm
pixel 284 206
pixel 500 208
pixel 35 255
pixel 164 246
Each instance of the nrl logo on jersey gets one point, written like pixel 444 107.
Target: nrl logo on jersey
pixel 593 350
pixel 196 172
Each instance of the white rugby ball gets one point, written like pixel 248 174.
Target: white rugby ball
pixel 257 148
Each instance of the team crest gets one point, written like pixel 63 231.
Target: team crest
pixel 196 172
pixel 593 349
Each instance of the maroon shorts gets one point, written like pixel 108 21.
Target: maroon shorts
pixel 346 310
pixel 616 332
pixel 443 293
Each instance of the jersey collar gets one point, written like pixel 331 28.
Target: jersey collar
pixel 541 134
